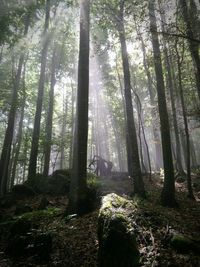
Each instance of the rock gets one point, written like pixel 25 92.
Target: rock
pixel 38 183
pixel 184 245
pixel 43 203
pixel 43 245
pixel 30 244
pixel 17 246
pixel 59 182
pixel 7 201
pixel 21 209
pixel 117 240
pixel 22 190
pixel 20 227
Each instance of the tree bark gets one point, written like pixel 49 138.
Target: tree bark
pixel 168 192
pixel 156 134
pixel 6 150
pixel 49 122
pixel 132 145
pixel 78 185
pixel 19 135
pixel 36 129
pixel 193 46
pixel 187 136
pixel 171 90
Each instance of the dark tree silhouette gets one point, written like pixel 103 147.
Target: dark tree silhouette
pixel 78 185
pixel 168 192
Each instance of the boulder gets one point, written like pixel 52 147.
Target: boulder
pixel 23 190
pixel 117 239
pixel 184 245
pixel 43 245
pixel 43 203
pixel 21 209
pixel 59 182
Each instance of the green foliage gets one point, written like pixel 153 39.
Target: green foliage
pixel 92 180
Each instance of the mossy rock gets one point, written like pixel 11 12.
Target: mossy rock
pixel 59 182
pixel 117 240
pixel 184 245
pixel 38 183
pixel 23 190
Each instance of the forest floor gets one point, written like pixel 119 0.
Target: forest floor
pixel 74 240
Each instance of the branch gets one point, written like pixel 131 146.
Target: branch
pixel 179 35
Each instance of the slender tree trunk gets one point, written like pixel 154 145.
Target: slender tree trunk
pixel 72 127
pixel 63 134
pixel 36 130
pixel 171 90
pixel 134 165
pixel 6 150
pixel 168 192
pixel 49 122
pixel 19 135
pixel 193 46
pixel 156 135
pixel 78 185
pixel 189 182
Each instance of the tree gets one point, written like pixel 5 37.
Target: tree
pixel 171 88
pixel 193 46
pixel 49 121
pixel 37 121
pixel 5 155
pixel 132 145
pixel 168 192
pixel 78 185
pixel 187 136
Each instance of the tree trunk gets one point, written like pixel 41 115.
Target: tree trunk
pixel 6 150
pixel 171 90
pixel 132 145
pixel 78 185
pixel 156 135
pixel 49 122
pixel 19 135
pixel 36 129
pixel 72 127
pixel 168 192
pixel 189 183
pixel 193 46
pixel 63 134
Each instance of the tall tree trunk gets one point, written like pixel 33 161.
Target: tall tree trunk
pixel 189 182
pixel 193 46
pixel 168 192
pixel 156 135
pixel 6 150
pixel 63 135
pixel 38 113
pixel 72 127
pixel 171 93
pixel 49 122
pixel 78 185
pixel 132 145
pixel 19 135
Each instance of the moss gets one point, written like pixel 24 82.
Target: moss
pixel 39 214
pixel 184 245
pixel 117 242
pixel 92 181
